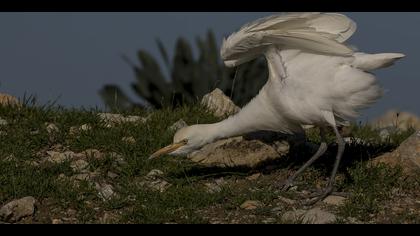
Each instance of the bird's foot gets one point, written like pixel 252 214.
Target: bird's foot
pixel 285 185
pixel 314 198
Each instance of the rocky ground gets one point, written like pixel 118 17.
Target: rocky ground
pixel 76 166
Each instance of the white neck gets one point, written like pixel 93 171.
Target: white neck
pixel 260 113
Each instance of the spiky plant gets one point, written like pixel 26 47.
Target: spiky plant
pixel 190 78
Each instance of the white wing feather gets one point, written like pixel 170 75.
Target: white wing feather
pixel 316 32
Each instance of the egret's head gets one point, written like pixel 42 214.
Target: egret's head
pixel 186 140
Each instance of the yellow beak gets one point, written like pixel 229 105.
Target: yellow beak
pixel 167 149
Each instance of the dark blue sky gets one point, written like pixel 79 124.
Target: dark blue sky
pixel 71 55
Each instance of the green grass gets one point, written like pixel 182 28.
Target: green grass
pixel 25 136
pixel 370 186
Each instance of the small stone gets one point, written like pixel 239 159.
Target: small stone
pixel 106 191
pixel 251 205
pixel 118 159
pixel 59 157
pixel 85 127
pixel 293 216
pixel 61 176
pixel 111 120
pixel 287 200
pixel 56 221
pixel 277 210
pixel 112 175
pixel 178 125
pixel 158 185
pixel 34 132
pixel 51 128
pixel 10 157
pixel 213 188
pixel 93 153
pixel 73 130
pixel 155 173
pixel 312 216
pixel 269 221
pixel 18 209
pixel 254 176
pixel 130 140
pixel 352 140
pixel 77 129
pixel 153 181
pixel 108 218
pixel 294 188
pixel 79 165
pixel 218 103
pixel 3 121
pixel 82 176
pixel 384 134
pixel 282 147
pixel 334 200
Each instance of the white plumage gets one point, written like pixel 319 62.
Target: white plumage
pixel 314 79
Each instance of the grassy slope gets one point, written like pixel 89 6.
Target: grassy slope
pixel 186 201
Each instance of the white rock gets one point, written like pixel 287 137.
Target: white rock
pixel 334 200
pixel 216 186
pixel 56 221
pixel 112 175
pixel 407 155
pixel 154 181
pixel 108 218
pixel 155 173
pixel 312 216
pixel 51 128
pixel 17 209
pixel 85 127
pixel 287 200
pixel 79 165
pixel 9 100
pixel 130 140
pixel 178 125
pixel 251 205
pixel 106 191
pixel 269 220
pixel 111 119
pixel 254 176
pixel 77 129
pixel 92 153
pixel 59 157
pixel 3 121
pixel 218 103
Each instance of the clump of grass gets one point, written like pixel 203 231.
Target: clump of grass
pixel 370 186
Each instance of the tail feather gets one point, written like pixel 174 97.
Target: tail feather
pixel 368 62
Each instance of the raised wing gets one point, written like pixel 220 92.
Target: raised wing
pixel 314 32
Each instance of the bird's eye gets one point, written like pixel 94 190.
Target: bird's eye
pixel 184 141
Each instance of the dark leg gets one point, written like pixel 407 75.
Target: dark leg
pixel 321 150
pixel 328 190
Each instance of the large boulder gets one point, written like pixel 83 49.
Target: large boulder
pixel 239 152
pixel 398 120
pixel 18 209
pixel 8 100
pixel 407 155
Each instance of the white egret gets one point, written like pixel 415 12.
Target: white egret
pixel 314 79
